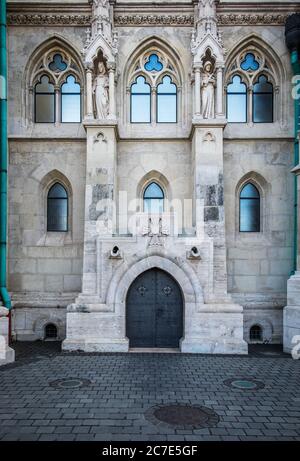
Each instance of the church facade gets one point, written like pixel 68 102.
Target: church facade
pixel 151 193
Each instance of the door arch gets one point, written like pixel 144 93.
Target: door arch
pixel 154 310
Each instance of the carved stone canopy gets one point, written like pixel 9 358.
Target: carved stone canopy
pixel 101 36
pixel 206 35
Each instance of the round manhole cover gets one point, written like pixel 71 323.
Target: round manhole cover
pixel 182 416
pixel 247 384
pixel 70 383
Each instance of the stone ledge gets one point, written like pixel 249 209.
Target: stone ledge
pixel 214 346
pixel 95 345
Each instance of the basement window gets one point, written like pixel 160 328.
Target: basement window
pixel 255 333
pixel 50 331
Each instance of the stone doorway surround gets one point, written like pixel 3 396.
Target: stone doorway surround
pixel 208 328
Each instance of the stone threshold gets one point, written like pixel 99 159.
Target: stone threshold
pixel 157 350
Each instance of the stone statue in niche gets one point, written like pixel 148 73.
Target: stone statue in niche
pixel 100 90
pixel 208 91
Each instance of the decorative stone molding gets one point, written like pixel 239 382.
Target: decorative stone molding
pixel 31 19
pixel 84 20
pixel 245 19
pixel 154 19
pixel 99 137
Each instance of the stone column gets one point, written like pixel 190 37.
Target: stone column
pixel 30 116
pixel 250 105
pixel 7 354
pixel 197 70
pixel 219 104
pixel 291 313
pixel 153 106
pixel 112 99
pixel 89 92
pixel 57 105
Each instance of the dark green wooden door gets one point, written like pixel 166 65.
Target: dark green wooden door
pixel 154 314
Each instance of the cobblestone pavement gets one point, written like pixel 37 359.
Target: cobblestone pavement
pixel 120 389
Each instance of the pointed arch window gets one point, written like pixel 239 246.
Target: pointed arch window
pixel 153 199
pixel 57 209
pixel 44 101
pixel 140 101
pixel 70 101
pixel 237 101
pixel 155 88
pixel 249 209
pixel 250 89
pixel 55 80
pixel 262 101
pixel 166 101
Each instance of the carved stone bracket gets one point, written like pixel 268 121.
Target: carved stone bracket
pixel 151 19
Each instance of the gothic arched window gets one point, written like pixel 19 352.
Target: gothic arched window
pixel 166 101
pixel 56 80
pixel 153 198
pixel 57 209
pixel 237 101
pixel 140 101
pixel 262 100
pixel 249 209
pixel 153 81
pixel 44 101
pixel 250 89
pixel 70 101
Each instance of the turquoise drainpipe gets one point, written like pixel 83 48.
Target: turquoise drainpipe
pixel 4 295
pixel 296 71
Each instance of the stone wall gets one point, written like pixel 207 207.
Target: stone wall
pixel 45 271
pixel 44 268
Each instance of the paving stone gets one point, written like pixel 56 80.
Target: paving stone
pixel 124 386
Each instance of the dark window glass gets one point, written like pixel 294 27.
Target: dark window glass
pixel 70 101
pixel 166 101
pixel 140 101
pixel 58 64
pixel 237 101
pixel 249 209
pixel 255 333
pixel 153 63
pixel 263 101
pixel 57 209
pixel 50 331
pixel 44 101
pixel 249 62
pixel 153 199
